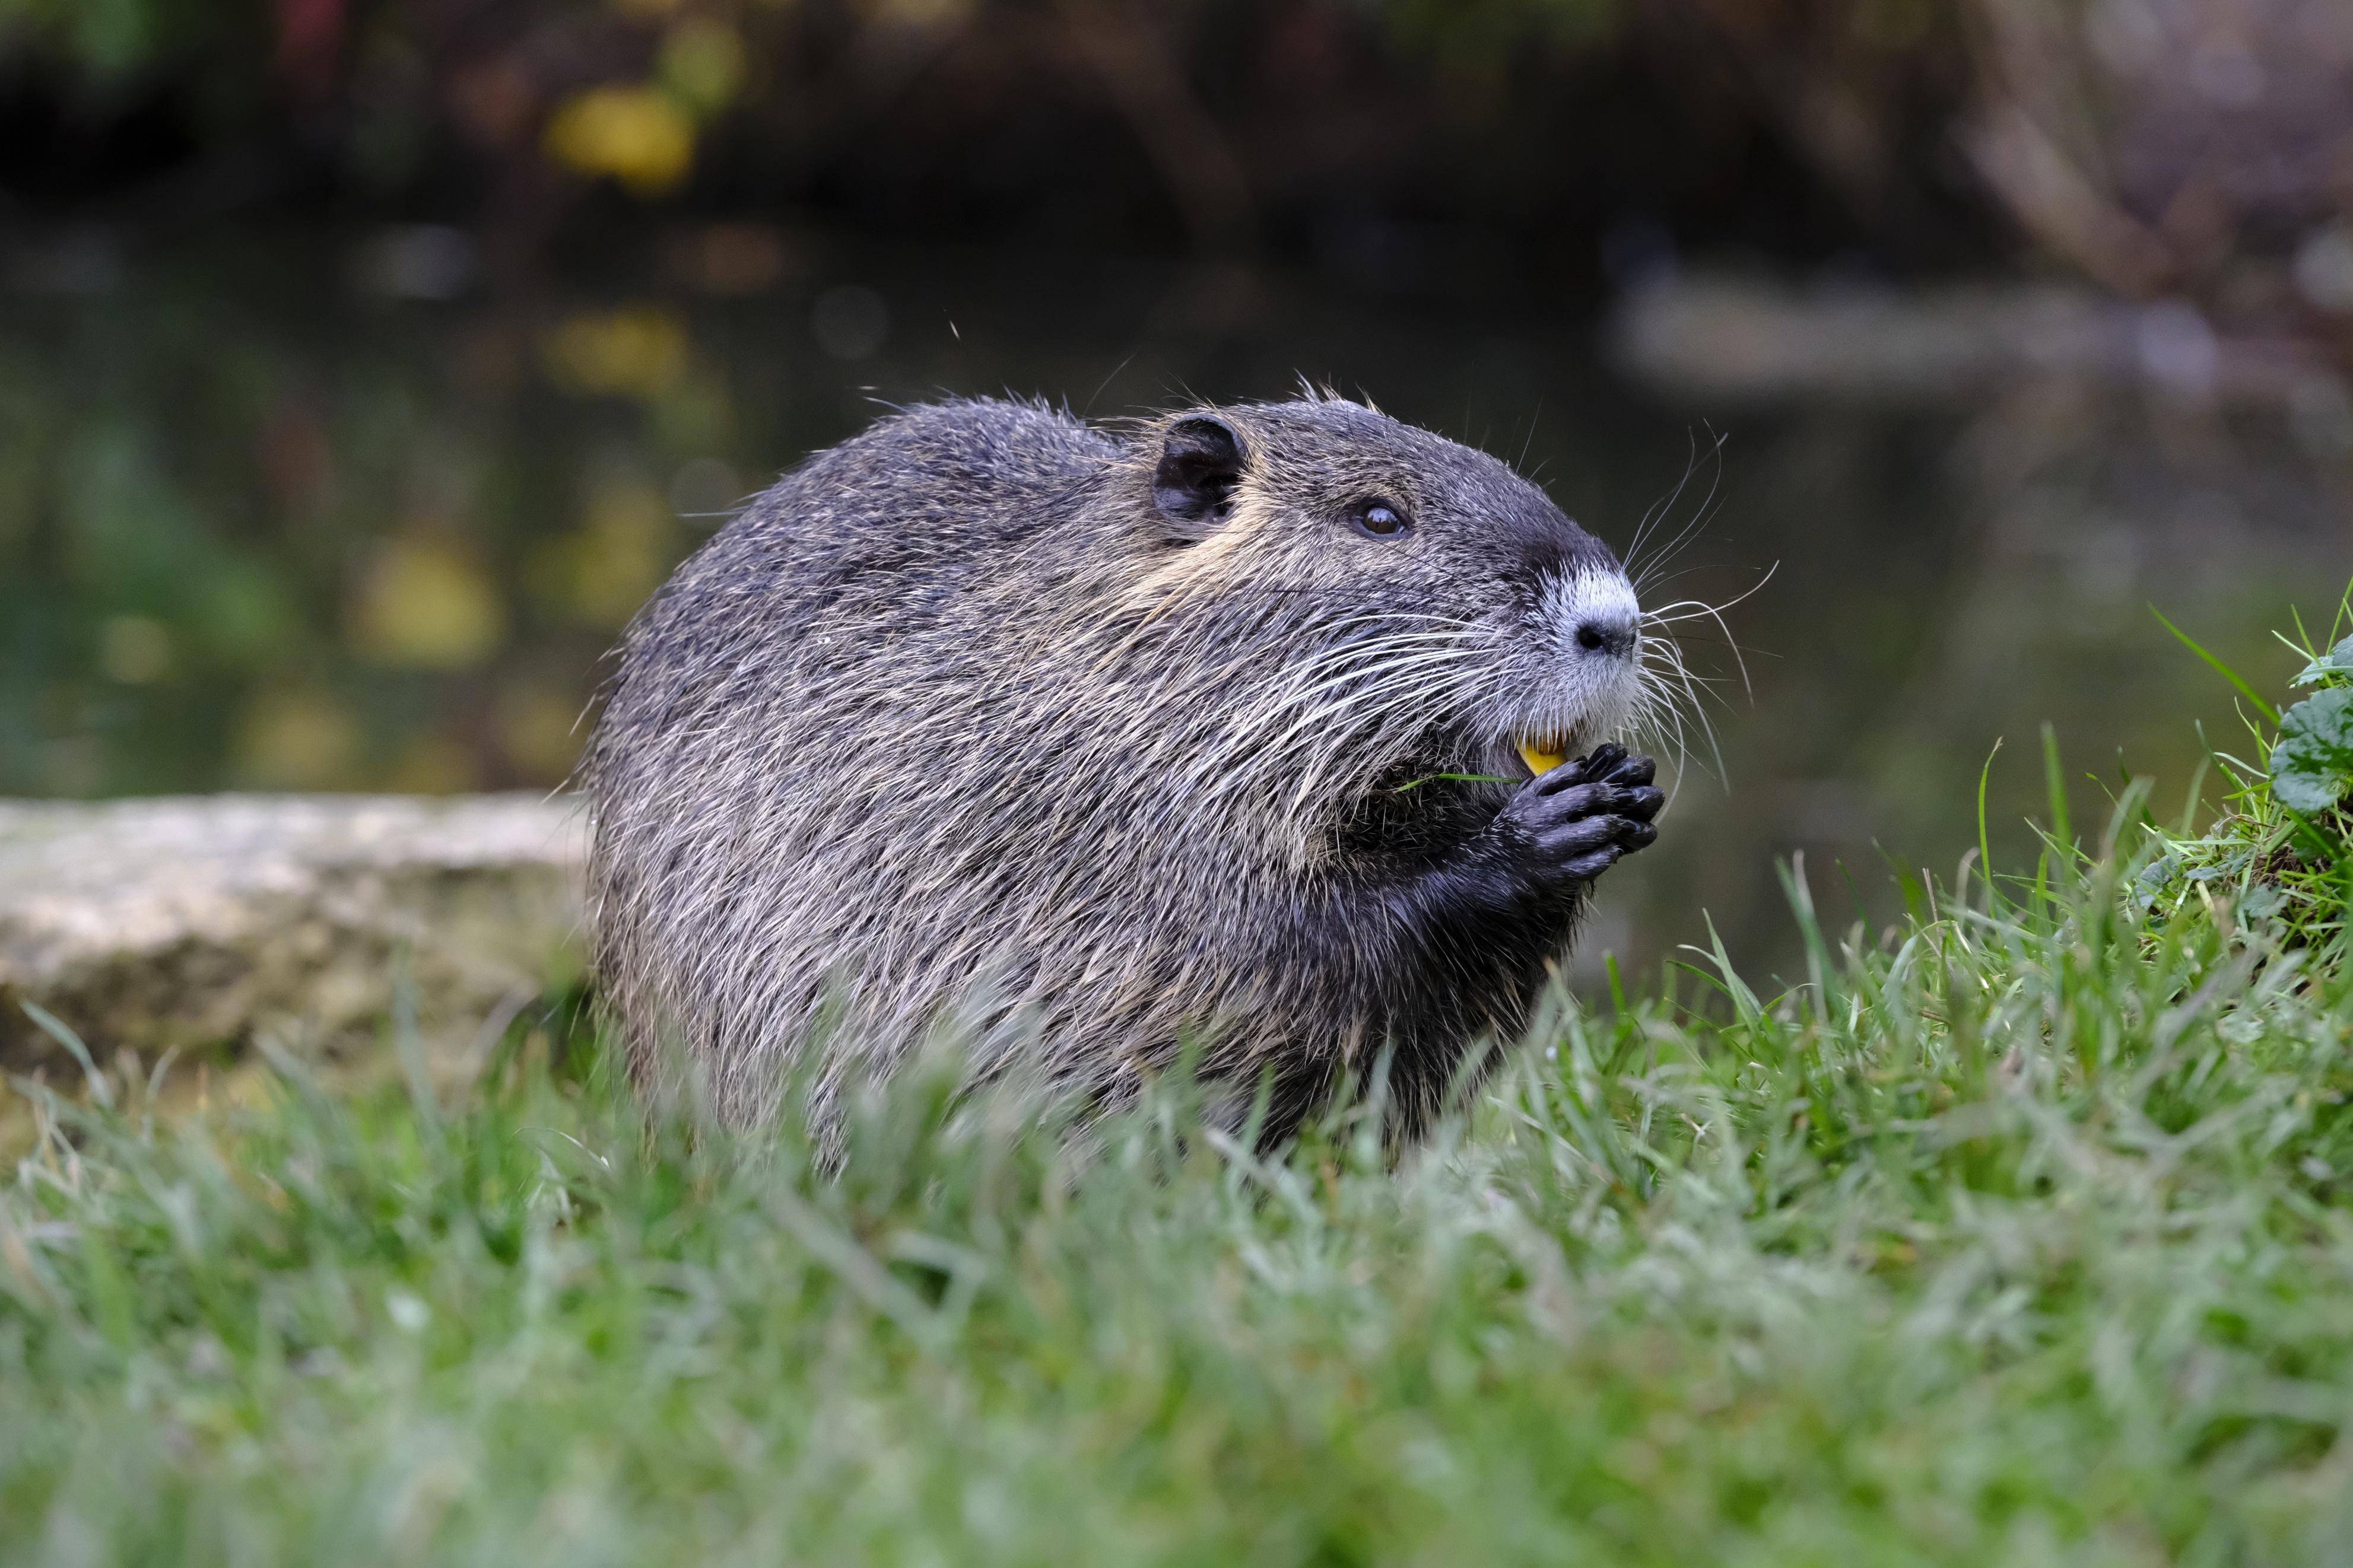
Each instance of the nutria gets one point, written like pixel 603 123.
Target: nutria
pixel 1247 726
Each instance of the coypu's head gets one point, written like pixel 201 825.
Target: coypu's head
pixel 1444 612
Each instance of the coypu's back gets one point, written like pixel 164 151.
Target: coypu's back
pixel 985 714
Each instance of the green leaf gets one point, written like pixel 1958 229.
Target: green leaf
pixel 2311 766
pixel 2337 664
pixel 2262 903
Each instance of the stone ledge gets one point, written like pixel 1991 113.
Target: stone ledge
pixel 207 921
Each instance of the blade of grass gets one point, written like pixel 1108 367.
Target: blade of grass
pixel 57 1030
pixel 2249 693
pixel 2054 783
pixel 1984 851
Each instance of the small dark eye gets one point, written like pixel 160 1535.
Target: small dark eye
pixel 1380 520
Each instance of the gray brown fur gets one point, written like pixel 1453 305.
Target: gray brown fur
pixel 958 722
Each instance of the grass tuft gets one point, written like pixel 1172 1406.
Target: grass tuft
pixel 2278 859
pixel 2019 1235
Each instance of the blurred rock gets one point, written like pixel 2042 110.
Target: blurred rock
pixel 1741 337
pixel 201 922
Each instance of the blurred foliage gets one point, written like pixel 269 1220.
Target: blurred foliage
pixel 1232 125
pixel 237 549
pixel 2158 147
pixel 112 39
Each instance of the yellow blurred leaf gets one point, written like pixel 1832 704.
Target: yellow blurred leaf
pixel 633 133
pixel 639 351
pixel 428 602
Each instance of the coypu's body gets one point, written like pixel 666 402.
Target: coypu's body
pixel 1093 743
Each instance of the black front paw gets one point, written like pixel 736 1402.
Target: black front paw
pixel 1572 824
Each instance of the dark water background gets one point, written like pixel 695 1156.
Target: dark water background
pixel 273 515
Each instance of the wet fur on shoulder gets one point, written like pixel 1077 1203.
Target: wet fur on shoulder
pixel 989 719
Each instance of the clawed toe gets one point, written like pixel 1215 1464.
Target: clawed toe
pixel 1576 822
pixel 1586 867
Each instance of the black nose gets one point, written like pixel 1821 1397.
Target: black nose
pixel 1603 634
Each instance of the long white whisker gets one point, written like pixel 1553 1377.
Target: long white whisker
pixel 1662 507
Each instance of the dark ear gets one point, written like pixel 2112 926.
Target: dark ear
pixel 1200 464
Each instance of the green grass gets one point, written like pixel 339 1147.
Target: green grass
pixel 2020 1236
pixel 2279 859
pixel 2021 1232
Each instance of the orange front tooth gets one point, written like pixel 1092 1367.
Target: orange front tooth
pixel 1540 762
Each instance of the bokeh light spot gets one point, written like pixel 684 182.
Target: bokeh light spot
pixel 702 64
pixel 639 351
pixel 600 573
pixel 135 649
pixel 296 739
pixel 636 135
pixel 428 602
